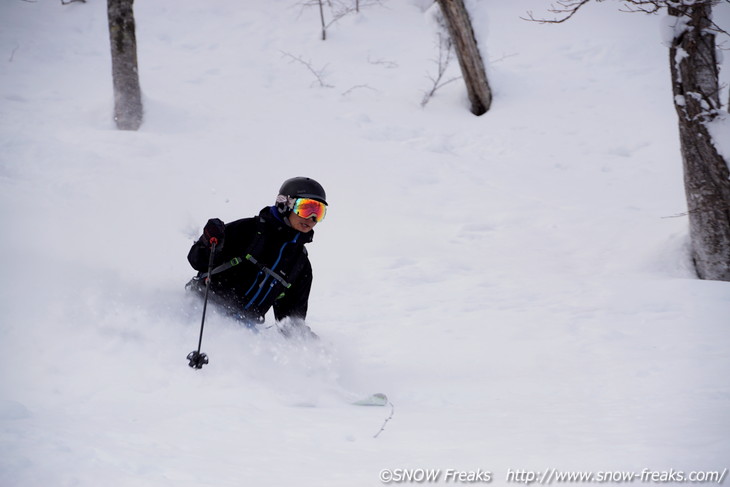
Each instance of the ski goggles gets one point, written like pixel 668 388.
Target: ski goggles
pixel 309 208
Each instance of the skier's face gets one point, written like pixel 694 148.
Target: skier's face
pixel 304 225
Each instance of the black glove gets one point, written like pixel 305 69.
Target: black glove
pixel 214 231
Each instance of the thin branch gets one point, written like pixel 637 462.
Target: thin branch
pixel 387 64
pixel 12 54
pixel 566 9
pixel 699 209
pixel 678 215
pixel 640 6
pixel 445 56
pixel 318 74
pixel 338 9
pixel 345 93
pixel 428 95
pixel 382 428
pixel 502 58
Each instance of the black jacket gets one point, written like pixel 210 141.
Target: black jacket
pixel 249 289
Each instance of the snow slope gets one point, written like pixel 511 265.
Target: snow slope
pixel 518 283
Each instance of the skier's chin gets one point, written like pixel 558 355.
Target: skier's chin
pixel 301 224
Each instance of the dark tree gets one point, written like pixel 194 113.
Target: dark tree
pixel 128 110
pixel 467 51
pixel 694 69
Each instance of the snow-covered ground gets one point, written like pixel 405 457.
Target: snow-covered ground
pixel 518 284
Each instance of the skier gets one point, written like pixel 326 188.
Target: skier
pixel 261 262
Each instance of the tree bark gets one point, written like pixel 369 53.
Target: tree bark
pixel 695 85
pixel 467 51
pixel 128 111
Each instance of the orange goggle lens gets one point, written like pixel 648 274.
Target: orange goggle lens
pixel 309 208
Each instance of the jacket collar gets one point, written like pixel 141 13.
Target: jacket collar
pixel 271 217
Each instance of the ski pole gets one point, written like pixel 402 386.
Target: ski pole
pixel 197 359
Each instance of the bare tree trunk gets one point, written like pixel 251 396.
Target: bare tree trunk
pixel 128 110
pixel 694 68
pixel 467 51
pixel 321 18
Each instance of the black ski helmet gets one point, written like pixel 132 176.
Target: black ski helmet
pixel 301 187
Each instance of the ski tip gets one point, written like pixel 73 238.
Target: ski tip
pixel 377 399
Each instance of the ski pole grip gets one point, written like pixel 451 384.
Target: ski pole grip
pixel 213 243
